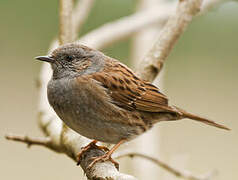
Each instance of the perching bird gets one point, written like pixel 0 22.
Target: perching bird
pixel 102 99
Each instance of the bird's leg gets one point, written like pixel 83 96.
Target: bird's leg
pixel 90 145
pixel 107 156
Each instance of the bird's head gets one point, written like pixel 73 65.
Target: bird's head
pixel 74 59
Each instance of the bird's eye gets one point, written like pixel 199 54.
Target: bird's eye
pixel 69 58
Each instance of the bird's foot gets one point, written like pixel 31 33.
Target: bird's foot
pixel 90 145
pixel 103 158
pixel 107 156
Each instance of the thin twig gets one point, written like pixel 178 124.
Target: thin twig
pixel 44 141
pixel 65 25
pixel 176 25
pixel 178 173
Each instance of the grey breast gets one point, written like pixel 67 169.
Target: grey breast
pixel 88 113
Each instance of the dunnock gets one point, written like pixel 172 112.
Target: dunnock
pixel 102 99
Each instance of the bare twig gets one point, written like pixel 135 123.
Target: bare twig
pixel 178 173
pixel 65 15
pixel 154 60
pixel 45 141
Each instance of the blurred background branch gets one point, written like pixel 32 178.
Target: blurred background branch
pixel 66 25
pixel 178 173
pixel 154 60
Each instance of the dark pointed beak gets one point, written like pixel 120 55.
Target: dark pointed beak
pixel 45 58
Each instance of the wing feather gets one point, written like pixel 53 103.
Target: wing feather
pixel 129 92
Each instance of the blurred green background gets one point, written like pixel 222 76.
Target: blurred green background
pixel 200 76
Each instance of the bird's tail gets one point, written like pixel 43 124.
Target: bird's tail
pixel 185 114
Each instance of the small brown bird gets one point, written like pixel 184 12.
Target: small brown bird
pixel 102 99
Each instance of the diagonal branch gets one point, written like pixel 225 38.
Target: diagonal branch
pixel 178 173
pixel 176 25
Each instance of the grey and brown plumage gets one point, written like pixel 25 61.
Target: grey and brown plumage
pixel 102 99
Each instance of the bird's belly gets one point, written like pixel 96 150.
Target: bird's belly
pixel 89 116
pixel 94 127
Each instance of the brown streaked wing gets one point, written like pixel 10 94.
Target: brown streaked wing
pixel 129 92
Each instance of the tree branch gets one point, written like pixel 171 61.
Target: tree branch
pixel 176 25
pixel 65 25
pixel 45 141
pixel 178 173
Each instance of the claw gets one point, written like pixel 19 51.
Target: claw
pixel 103 158
pixel 106 156
pixel 90 145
